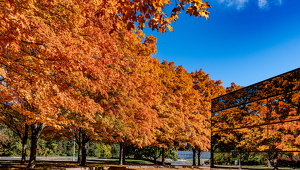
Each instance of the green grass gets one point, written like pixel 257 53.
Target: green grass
pixel 260 166
pixel 132 161
pixel 15 164
pixel 89 157
pixel 264 166
pixel 128 161
pixel 9 161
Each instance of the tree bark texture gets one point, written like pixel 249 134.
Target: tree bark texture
pixel 79 142
pixel 36 130
pixel 83 159
pixel 85 140
pixel 199 155
pixel 269 160
pixel 240 161
pixel 194 157
pixel 24 145
pixel 276 161
pixel 121 153
pixel 163 156
pixel 124 154
pixel 212 160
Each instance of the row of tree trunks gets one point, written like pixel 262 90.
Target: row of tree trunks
pixel 82 139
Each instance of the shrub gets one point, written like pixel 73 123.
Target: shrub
pixel 285 162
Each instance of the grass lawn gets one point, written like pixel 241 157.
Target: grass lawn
pixel 128 161
pixel 261 167
pixel 133 161
pixel 12 165
pixel 265 166
pixel 15 164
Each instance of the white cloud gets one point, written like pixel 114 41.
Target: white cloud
pixel 262 3
pixel 280 1
pixel 240 4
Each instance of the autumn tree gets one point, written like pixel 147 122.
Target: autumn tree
pixel 185 108
pixel 199 125
pixel 57 55
pixel 129 117
pixel 47 58
pixel 178 110
pixel 173 111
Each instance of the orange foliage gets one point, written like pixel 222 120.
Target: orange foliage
pixel 153 13
pixel 185 108
pixel 83 65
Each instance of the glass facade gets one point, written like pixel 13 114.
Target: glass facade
pixel 263 117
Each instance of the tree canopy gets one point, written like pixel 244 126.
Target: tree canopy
pixel 85 68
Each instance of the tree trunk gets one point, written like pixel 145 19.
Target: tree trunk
pixel 212 160
pixel 83 159
pixel 85 140
pixel 33 150
pixel 163 156
pixel 275 161
pixel 269 160
pixel 79 142
pixel 269 164
pixel 121 153
pixel 36 132
pixel 124 154
pixel 199 154
pixel 194 157
pixel 24 145
pixel 240 162
pixel 79 152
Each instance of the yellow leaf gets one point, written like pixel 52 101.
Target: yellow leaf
pixel 170 28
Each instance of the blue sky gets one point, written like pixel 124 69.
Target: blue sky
pixel 243 41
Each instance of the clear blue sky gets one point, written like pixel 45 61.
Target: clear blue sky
pixel 243 41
